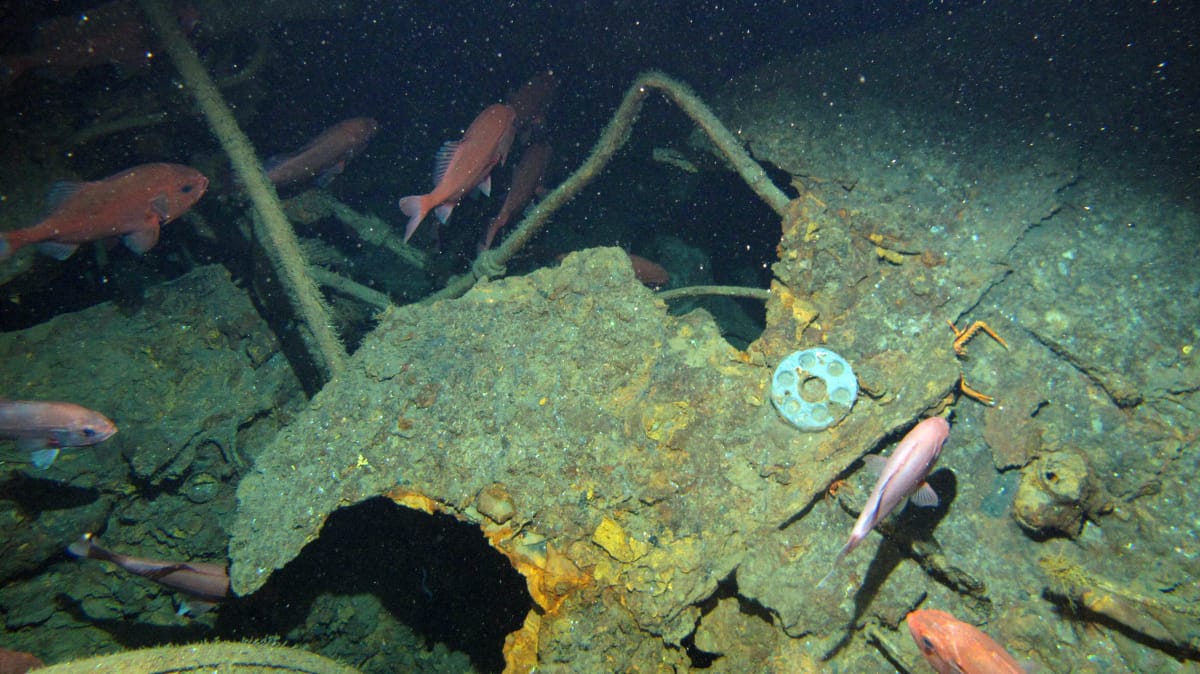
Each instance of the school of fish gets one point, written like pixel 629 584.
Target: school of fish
pixel 134 205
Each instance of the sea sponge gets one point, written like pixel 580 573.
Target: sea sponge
pixel 1055 495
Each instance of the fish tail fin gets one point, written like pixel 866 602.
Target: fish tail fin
pixel 13 67
pixel 494 228
pixel 488 236
pixel 273 162
pixel 84 547
pixel 837 562
pixel 414 207
pixel 829 575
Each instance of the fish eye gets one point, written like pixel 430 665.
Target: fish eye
pixel 927 645
pixel 185 189
pixel 89 432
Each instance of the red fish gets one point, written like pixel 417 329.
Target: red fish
pixel 901 475
pixel 464 165
pixel 18 662
pixel 111 33
pixel 530 103
pixel 43 427
pixel 325 156
pixel 204 583
pixel 527 176
pixel 951 646
pixel 132 204
pixel 649 272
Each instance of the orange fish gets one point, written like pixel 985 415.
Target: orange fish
pixel 325 156
pixel 42 427
pixel 526 179
pixel 464 165
pixel 953 647
pixel 132 204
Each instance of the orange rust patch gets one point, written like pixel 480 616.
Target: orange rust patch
pixel 414 499
pixel 427 395
pixel 520 647
pixel 549 574
pixel 932 259
pixel 552 582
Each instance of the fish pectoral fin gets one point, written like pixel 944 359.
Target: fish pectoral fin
pixel 485 186
pixel 43 458
pixel 142 240
pixel 330 173
pixel 925 496
pixel 194 607
pixel 161 208
pixel 56 250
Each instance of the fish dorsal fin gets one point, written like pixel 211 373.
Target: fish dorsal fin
pixel 442 159
pixel 60 192
pixel 925 496
pixel 875 463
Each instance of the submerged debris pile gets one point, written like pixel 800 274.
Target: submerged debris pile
pixel 625 460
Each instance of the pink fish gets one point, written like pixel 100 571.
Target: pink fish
pixel 325 156
pixel 463 166
pixel 43 427
pixel 133 204
pixel 203 582
pixel 901 476
pixel 952 646
pixel 527 176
